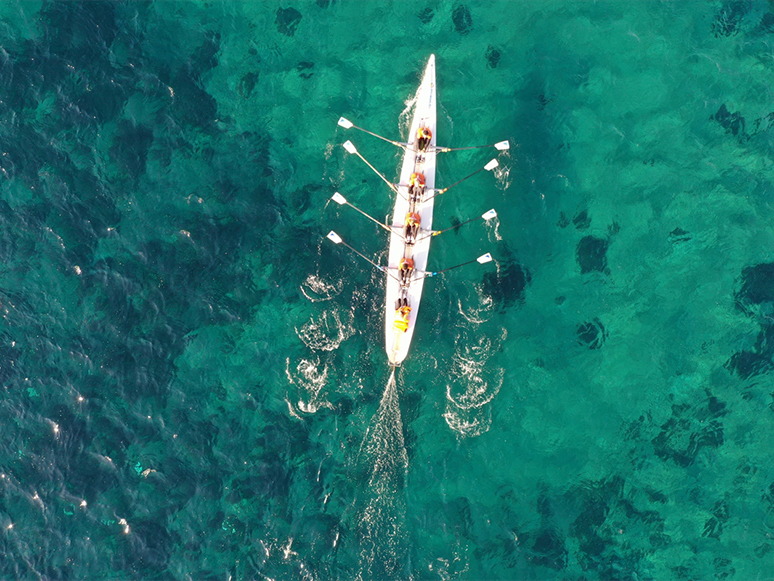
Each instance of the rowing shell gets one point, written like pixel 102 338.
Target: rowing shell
pixel 398 341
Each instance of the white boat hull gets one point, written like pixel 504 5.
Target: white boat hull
pixel 397 341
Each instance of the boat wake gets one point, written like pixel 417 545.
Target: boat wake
pixel 380 512
pixel 316 289
pixel 310 377
pixel 473 385
pixel 328 331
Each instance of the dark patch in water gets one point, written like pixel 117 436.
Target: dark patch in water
pixel 305 66
pixel 549 550
pixel 728 19
pixel 691 428
pixel 733 123
pixel 492 57
pixel 463 21
pixel 192 104
pixel 582 220
pixel 591 334
pixel 130 148
pixel 591 254
pixel 679 235
pixel 81 32
pixel 426 15
pixel 247 84
pixel 757 285
pixel 563 220
pixel 749 363
pixel 287 20
pixel 509 285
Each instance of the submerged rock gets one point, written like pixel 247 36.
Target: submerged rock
pixel 492 56
pixel 592 334
pixel 287 20
pixel 591 254
pixel 463 22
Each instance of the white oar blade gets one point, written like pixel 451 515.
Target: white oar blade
pixel 502 146
pixel 339 199
pixel 491 165
pixel 335 238
pixel 489 215
pixel 347 124
pixel 483 259
pixel 350 147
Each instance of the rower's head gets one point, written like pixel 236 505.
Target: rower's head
pixel 424 133
pixel 412 219
pixel 417 179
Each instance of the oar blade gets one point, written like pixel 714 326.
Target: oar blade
pixel 335 238
pixel 338 198
pixel 489 215
pixel 491 165
pixel 484 258
pixel 345 123
pixel 350 147
pixel 502 146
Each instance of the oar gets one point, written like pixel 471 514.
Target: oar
pixel 483 259
pixel 501 146
pixel 488 167
pixel 351 149
pixel 347 124
pixel 486 216
pixel 341 200
pixel 336 239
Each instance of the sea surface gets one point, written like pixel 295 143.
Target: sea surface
pixel 194 380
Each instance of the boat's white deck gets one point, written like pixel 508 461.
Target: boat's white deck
pixel 397 342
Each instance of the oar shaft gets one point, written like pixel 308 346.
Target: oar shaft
pixel 430 274
pixel 363 256
pixel 446 189
pixel 437 232
pixel 376 171
pixel 380 137
pixel 447 149
pixel 374 220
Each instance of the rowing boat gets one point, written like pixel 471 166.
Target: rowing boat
pixel 397 341
pixel 412 244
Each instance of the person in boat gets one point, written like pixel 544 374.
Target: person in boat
pixel 405 268
pixel 416 187
pixel 424 135
pixel 402 319
pixel 403 300
pixel 412 227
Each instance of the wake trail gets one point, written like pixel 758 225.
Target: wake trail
pixel 382 509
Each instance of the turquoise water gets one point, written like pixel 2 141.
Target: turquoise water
pixel 195 383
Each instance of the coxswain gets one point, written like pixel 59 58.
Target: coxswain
pixel 405 268
pixel 424 135
pixel 402 319
pixel 412 227
pixel 416 187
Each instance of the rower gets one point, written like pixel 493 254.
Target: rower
pixel 402 319
pixel 416 187
pixel 424 135
pixel 412 227
pixel 405 269
pixel 402 300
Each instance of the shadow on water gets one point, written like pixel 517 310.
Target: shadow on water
pixel 380 510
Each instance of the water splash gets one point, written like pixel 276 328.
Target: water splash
pixel 503 171
pixel 310 376
pixel 382 513
pixel 316 289
pixel 476 307
pixel 327 332
pixel 473 385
